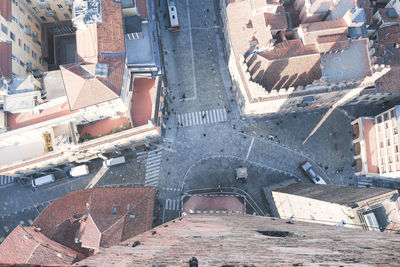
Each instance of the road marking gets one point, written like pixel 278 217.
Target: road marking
pixel 192 54
pixel 153 167
pixel 202 117
pixel 172 204
pixel 97 177
pixel 251 145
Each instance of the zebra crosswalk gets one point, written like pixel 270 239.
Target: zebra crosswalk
pixel 153 167
pixel 202 117
pixel 172 204
pixel 5 179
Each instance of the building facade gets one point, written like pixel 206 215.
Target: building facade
pixel 376 144
pixel 373 209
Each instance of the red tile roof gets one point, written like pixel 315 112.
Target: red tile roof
pixel 83 89
pixel 5 9
pixel 312 31
pixel 332 42
pixel 141 101
pixel 20 120
pixel 213 203
pixel 99 204
pixel 100 43
pixel 289 64
pixel 389 35
pixel 277 20
pixel 390 81
pixel 25 245
pixel 384 13
pixel 142 8
pixel 5 58
pixel 104 127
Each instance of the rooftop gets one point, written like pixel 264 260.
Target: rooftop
pixel 193 204
pixel 19 120
pixel 53 84
pixel 115 215
pixel 144 91
pixel 105 126
pixel 342 195
pixel 238 240
pixel 350 64
pixel 26 245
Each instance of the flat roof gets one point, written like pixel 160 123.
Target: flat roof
pixel 140 51
pixel 350 64
pixel 53 84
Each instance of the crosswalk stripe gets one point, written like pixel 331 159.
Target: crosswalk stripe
pixel 202 117
pixel 153 163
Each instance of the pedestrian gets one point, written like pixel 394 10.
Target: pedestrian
pixel 203 116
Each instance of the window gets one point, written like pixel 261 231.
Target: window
pixel 114 211
pixel 128 207
pixel 29 17
pixel 392 113
pixel 60 7
pixel 48 8
pixel 23 11
pixel 4 29
pixel 22 63
pixel 12 36
pixel 37 26
pixel 101 70
pixel 28 50
pixel 19 42
pixel 13 57
pixel 379 119
pixel 14 19
pixel 43 18
pixel 36 9
pixel 34 55
pixel 24 47
pixel 21 26
pixel 66 15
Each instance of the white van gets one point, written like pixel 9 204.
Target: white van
pixel 79 170
pixel 43 180
pixel 114 161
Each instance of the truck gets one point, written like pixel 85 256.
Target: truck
pixel 43 180
pixel 79 170
pixel 114 161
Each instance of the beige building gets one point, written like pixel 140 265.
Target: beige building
pixel 374 209
pixel 22 31
pixel 278 69
pixel 50 11
pixel 376 144
pixel 95 105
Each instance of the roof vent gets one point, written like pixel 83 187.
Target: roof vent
pixel 37 229
pixel 27 237
pixel 76 240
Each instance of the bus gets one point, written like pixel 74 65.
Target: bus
pixel 173 16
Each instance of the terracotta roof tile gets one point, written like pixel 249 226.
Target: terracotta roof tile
pixel 393 17
pixel 390 81
pixel 389 35
pixel 25 245
pixel 289 64
pixel 99 204
pixel 277 20
pixel 332 42
pixel 141 5
pixel 141 101
pixel 5 9
pixel 5 59
pixel 83 89
pixel 317 29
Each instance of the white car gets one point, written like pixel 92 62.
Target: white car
pixel 308 169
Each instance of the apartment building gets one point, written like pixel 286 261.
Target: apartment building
pixel 97 104
pixel 50 11
pixel 308 66
pixel 371 209
pixel 20 40
pixel 376 144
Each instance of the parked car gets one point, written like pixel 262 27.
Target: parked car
pixel 114 161
pixel 310 172
pixel 79 170
pixel 43 180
